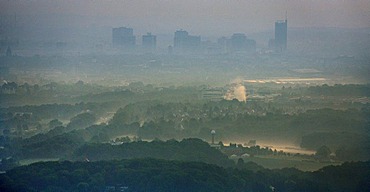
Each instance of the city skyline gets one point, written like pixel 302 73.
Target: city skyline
pixel 216 18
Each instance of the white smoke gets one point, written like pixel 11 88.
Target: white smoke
pixel 236 91
pixel 240 93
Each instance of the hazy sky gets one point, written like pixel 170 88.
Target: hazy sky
pixel 215 17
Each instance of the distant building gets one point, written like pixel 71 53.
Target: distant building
pixel 149 42
pixel 213 144
pixel 281 35
pixel 183 42
pixel 180 39
pixel 123 37
pixel 239 42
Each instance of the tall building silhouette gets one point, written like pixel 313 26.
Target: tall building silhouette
pixel 123 37
pixel 149 42
pixel 237 43
pixel 180 39
pixel 240 42
pixel 281 35
pixel 185 42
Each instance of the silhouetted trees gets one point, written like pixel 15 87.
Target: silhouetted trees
pixel 161 175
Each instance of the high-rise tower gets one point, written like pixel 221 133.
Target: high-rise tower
pixel 149 42
pixel 281 35
pixel 183 42
pixel 123 37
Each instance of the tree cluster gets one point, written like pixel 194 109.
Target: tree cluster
pixel 161 175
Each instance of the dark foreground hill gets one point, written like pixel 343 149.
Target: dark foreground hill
pixel 163 175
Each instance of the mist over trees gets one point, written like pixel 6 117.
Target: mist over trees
pixel 89 108
pixel 308 122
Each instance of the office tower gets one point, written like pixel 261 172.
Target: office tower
pixel 180 39
pixel 281 37
pixel 149 42
pixel 238 41
pixel 185 42
pixel 123 37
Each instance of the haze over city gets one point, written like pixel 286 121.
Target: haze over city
pixel 206 17
pixel 198 95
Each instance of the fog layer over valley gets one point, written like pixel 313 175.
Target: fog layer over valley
pixel 275 120
pixel 92 104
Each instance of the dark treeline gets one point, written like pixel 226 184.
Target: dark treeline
pixel 185 150
pixel 161 175
pixel 73 147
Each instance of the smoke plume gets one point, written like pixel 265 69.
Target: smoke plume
pixel 236 91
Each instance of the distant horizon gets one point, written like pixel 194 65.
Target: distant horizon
pixel 214 18
pixel 139 31
pixel 21 21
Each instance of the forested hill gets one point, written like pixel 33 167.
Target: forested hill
pixel 185 150
pixel 162 175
